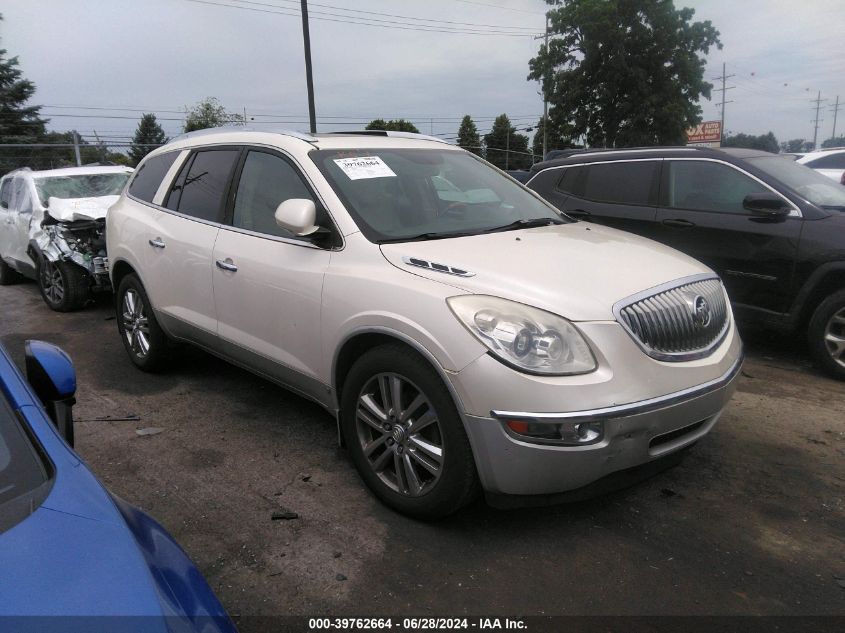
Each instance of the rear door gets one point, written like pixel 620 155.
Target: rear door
pixel 702 215
pixel 622 194
pixel 268 282
pixel 14 225
pixel 181 243
pixel 6 222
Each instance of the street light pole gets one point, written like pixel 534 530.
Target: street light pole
pixel 306 37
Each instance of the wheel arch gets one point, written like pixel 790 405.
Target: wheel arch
pixel 826 280
pixel 362 340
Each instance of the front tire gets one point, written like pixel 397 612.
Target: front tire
pixel 64 286
pixel 826 334
pixel 404 434
pixel 142 336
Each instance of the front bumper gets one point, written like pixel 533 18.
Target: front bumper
pixel 634 434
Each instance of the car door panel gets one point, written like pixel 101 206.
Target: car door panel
pixel 267 282
pixel 754 255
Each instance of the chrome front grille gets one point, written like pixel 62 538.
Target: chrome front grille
pixel 680 321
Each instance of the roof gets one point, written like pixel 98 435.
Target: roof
pixel 324 140
pixel 589 155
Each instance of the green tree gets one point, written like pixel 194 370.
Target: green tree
pixel 556 138
pixel 397 125
pixel 468 136
pixel 148 135
pixel 209 113
pixel 504 147
pixel 624 72
pixel 793 145
pixel 764 142
pixel 838 141
pixel 19 121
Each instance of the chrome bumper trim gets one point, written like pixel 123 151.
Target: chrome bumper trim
pixel 626 410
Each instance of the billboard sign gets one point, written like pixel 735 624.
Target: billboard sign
pixel 705 133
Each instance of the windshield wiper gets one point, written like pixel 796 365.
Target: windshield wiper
pixel 525 224
pixel 427 236
pixel 838 207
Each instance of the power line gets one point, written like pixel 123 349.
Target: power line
pixel 835 110
pixel 364 21
pixel 499 6
pixel 818 101
pixel 389 15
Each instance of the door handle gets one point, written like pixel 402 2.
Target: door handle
pixel 157 243
pixel 578 213
pixel 227 264
pixel 683 224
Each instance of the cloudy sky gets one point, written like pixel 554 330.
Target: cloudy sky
pixel 431 61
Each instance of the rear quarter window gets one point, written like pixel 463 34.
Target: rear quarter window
pixel 149 174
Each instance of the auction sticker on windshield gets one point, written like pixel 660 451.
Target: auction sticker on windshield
pixel 364 167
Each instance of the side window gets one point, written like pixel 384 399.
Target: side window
pixel 201 190
pixel 20 196
pixel 266 181
pixel 708 186
pixel 832 161
pixel 572 181
pixel 6 193
pixel 148 176
pixel 624 182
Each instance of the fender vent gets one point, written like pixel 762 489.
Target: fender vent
pixel 441 268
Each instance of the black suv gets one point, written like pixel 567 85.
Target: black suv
pixel 773 230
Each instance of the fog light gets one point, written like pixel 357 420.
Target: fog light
pixel 557 432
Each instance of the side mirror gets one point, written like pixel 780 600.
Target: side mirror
pixel 50 372
pixel 298 216
pixel 766 204
pixel 4 204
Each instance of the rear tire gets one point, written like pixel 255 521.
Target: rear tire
pixel 826 335
pixel 404 434
pixel 64 286
pixel 142 336
pixel 8 275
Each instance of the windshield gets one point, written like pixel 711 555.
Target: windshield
pixel 818 189
pixel 403 194
pixel 80 186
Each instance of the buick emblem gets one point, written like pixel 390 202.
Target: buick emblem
pixel 701 313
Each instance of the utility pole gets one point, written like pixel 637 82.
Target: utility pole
pixel 76 149
pixel 306 37
pixel 818 101
pixel 724 90
pixel 507 146
pixel 545 96
pixel 835 109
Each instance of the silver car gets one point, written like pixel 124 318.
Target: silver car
pixel 464 333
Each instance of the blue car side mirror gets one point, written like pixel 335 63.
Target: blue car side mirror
pixel 50 372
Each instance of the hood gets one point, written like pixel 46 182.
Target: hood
pixel 576 270
pixel 73 209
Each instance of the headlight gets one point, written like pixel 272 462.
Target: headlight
pixel 527 338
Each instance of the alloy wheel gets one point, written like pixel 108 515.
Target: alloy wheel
pixel 136 326
pixel 52 282
pixel 834 337
pixel 400 435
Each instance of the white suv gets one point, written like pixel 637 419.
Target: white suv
pixel 51 230
pixel 462 331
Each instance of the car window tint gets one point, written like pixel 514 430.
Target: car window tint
pixel 21 201
pixel 832 161
pixel 709 186
pixel 6 192
pixel 149 174
pixel 572 180
pixel 266 181
pixel 20 468
pixel 204 188
pixel 625 182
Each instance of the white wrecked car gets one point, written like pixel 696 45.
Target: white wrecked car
pixel 52 227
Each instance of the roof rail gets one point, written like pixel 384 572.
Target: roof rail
pixel 241 128
pixel 393 134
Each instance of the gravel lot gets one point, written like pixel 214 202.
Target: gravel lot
pixel 752 522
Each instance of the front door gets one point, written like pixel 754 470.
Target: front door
pixel 702 215
pixel 267 282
